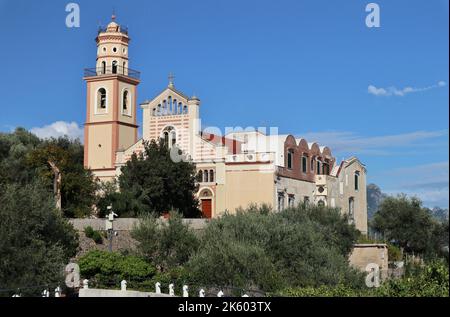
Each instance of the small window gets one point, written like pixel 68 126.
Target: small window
pixel 306 200
pixel 280 201
pixel 173 137
pixel 166 138
pixel 291 201
pixel 101 98
pixel 205 176
pixel 114 67
pixel 115 49
pixel 211 176
pixel 304 163
pixel 200 176
pixel 125 101
pixel 321 203
pixel 290 159
pixel 356 180
pixel 103 68
pixel 351 209
pixel 312 165
pixel 318 168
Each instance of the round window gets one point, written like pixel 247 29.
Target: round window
pixel 321 189
pixel 114 49
pixel 104 49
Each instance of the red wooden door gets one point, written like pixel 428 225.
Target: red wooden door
pixel 207 208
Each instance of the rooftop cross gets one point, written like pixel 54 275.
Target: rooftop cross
pixel 171 78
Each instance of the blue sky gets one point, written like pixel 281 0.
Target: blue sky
pixel 311 68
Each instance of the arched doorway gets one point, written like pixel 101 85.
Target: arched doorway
pixel 206 202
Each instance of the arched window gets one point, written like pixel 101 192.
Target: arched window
pixel 356 180
pixel 211 176
pixel 304 163
pixel 290 159
pixel 326 169
pixel 164 108
pixel 173 138
pixel 103 67
pixel 175 107
pixel 154 112
pixel 114 67
pixel 101 98
pixel 158 113
pixel 312 165
pixel 166 138
pixel 205 176
pixel 318 167
pixel 200 176
pixel 124 67
pixel 180 108
pixel 125 101
pixel 185 110
pixel 169 105
pixel 321 203
pixel 351 209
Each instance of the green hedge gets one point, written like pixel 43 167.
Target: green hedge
pixel 93 234
pixel 107 269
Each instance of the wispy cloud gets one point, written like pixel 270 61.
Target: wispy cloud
pixel 393 91
pixel 429 182
pixel 342 142
pixel 58 129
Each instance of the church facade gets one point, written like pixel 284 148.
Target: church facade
pixel 234 170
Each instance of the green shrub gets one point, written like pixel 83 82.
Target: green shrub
pixel 429 281
pixel 93 234
pixel 323 291
pixel 394 253
pixel 305 246
pixel 168 244
pixel 107 269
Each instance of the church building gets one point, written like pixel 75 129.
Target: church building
pixel 234 170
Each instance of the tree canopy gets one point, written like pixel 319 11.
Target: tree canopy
pixel 153 182
pixel 35 241
pixel 24 158
pixel 405 222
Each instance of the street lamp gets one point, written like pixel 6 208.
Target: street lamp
pixel 109 226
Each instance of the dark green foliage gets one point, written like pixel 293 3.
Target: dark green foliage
pixel 108 269
pixel 35 241
pixel 168 244
pixel 404 222
pixel 429 281
pixel 93 234
pixel 24 157
pixel 14 148
pixel 78 186
pixel 124 203
pixel 323 291
pixel 304 246
pixel 439 214
pixel 394 253
pixel 155 183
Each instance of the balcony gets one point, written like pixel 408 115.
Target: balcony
pixel 121 29
pixel 110 70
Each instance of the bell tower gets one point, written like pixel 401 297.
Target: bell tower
pixel 111 102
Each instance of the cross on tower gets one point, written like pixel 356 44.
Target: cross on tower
pixel 171 78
